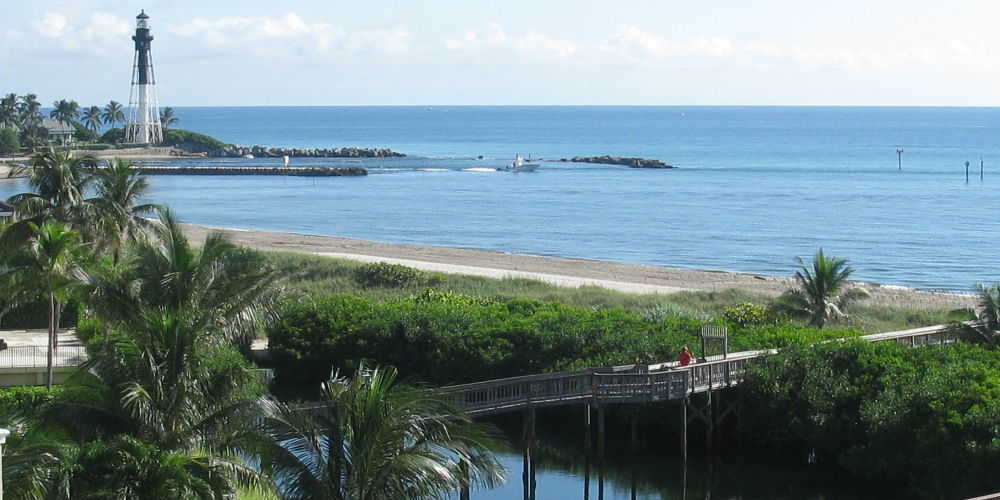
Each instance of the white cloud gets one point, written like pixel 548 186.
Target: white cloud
pixel 639 48
pixel 52 25
pixel 290 36
pixel 493 41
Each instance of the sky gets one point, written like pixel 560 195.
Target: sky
pixel 510 52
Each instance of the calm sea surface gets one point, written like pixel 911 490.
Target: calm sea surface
pixel 755 187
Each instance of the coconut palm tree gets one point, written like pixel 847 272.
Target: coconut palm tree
pixel 113 113
pixel 30 118
pixel 167 117
pixel 230 287
pixel 119 215
pixel 167 383
pixel 822 291
pixel 982 325
pixel 376 438
pixel 59 181
pixel 65 112
pixel 8 111
pixel 50 261
pixel 92 118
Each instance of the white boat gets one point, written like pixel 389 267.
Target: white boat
pixel 520 165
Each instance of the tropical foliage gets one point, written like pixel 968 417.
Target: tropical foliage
pixel 982 325
pixel 92 118
pixel 113 113
pixel 373 438
pixel 822 292
pixel 167 117
pixel 925 418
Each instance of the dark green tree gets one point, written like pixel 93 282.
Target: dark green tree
pixel 9 143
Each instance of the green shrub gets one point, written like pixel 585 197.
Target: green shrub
pixel 114 136
pixel 9 143
pixel 389 275
pixel 747 314
pixel 25 401
pixel 174 136
pixel 83 134
pixel 924 418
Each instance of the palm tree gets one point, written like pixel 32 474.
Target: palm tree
pixel 982 326
pixel 65 112
pixel 120 217
pixel 820 294
pixel 229 287
pixel 8 111
pixel 92 118
pixel 167 117
pixel 60 181
pixel 113 113
pixel 30 117
pixel 164 384
pixel 50 261
pixel 376 438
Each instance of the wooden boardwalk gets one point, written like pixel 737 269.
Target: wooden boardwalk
pixel 635 383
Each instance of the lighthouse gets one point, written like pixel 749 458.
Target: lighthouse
pixel 143 113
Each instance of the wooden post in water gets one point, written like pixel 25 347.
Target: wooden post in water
pixel 966 172
pixel 899 155
pixel 684 429
pixel 463 467
pixel 534 440
pixel 587 434
pixel 710 421
pixel 600 433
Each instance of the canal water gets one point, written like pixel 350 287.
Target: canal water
pixel 564 470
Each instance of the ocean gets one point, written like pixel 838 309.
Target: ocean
pixel 754 187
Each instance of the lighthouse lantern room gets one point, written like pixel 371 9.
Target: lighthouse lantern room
pixel 144 114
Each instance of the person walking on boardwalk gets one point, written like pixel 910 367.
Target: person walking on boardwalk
pixel 685 357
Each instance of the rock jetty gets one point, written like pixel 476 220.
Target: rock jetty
pixel 233 151
pixel 266 152
pixel 618 160
pixel 250 170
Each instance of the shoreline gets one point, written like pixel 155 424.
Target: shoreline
pixel 569 272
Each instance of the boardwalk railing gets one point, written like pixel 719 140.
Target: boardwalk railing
pixel 637 383
pixel 37 356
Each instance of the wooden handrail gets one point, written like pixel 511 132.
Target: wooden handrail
pixel 636 383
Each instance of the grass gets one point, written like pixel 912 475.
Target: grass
pixel 317 276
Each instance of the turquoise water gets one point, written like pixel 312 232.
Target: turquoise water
pixel 755 187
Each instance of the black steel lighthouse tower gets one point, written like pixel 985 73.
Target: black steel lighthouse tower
pixel 144 114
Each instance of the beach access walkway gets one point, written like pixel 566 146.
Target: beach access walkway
pixel 637 383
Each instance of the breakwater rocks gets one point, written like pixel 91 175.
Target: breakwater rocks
pixel 618 160
pixel 249 170
pixel 232 151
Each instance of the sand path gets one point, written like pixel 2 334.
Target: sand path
pixel 558 271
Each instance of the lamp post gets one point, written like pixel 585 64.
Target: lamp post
pixel 3 439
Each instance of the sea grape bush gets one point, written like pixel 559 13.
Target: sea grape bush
pixel 928 418
pixel 746 314
pixel 384 274
pixel 441 338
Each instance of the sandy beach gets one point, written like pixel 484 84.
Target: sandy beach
pixel 559 271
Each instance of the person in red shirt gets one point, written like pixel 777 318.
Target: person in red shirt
pixel 685 357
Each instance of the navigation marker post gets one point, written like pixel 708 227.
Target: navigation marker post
pixel 899 157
